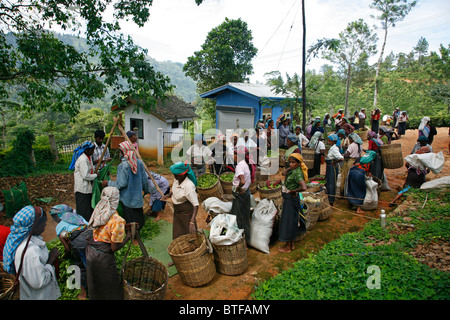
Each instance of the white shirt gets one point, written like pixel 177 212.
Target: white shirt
pixel 320 146
pixel 82 175
pixel 242 169
pixel 200 154
pixel 302 139
pixel 184 192
pixel 334 153
pixel 37 278
pixel 353 150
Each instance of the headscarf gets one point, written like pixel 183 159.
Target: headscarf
pixel 422 138
pixel 356 138
pixel 67 214
pixel 293 138
pixel 130 134
pixel 333 137
pixel 315 139
pixel 368 157
pixel 341 131
pixel 242 151
pixel 374 136
pixel 79 151
pixel 129 154
pixel 19 231
pixel 182 168
pixel 299 157
pixel 105 208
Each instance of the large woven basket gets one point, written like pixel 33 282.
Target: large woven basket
pixel 392 156
pixel 275 194
pixel 144 278
pixel 213 191
pixel 231 259
pixel 191 256
pixel 308 157
pixel 6 285
pixel 227 186
pixel 363 134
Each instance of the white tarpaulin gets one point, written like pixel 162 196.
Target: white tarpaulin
pixel 432 161
pixel 215 205
pixel 436 184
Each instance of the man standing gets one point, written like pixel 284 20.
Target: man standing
pixel 99 136
pixel 83 179
pixel 131 182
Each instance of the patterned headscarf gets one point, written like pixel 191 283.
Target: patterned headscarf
pixel 129 154
pixel 67 214
pixel 23 223
pixel 105 208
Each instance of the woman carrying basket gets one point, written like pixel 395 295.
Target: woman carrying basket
pixel 295 182
pixel 26 255
pixel 333 157
pixel 184 199
pixel 108 236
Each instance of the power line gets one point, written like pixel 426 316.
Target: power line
pixel 287 38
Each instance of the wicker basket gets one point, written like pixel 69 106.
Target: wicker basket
pixel 231 260
pixel 194 262
pixel 281 157
pixel 275 194
pixel 308 157
pixel 227 186
pixel 392 156
pixel 363 134
pixel 144 278
pixel 6 285
pixel 213 191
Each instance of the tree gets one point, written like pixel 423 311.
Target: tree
pixel 225 56
pixel 51 75
pixel 392 11
pixel 356 40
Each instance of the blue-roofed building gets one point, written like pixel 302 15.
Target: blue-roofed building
pixel 241 105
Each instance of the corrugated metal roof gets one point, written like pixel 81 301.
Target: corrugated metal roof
pixel 257 90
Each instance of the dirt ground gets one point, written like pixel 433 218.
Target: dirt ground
pixel 260 265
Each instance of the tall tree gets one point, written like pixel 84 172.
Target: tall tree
pixel 356 40
pixel 391 12
pixel 52 75
pixel 225 56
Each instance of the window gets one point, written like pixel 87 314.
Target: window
pixel 139 124
pixel 175 125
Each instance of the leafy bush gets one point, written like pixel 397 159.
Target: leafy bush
pixel 341 269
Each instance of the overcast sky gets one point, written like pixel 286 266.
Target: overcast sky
pixel 178 28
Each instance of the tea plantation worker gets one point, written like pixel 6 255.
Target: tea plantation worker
pixel 355 188
pixel 199 155
pixel 244 175
pixel 99 136
pixel 72 232
pixel 26 254
pixel 362 118
pixel 352 153
pixel 395 116
pixel 319 147
pixel 184 199
pixel 155 202
pixel 108 236
pixel 375 119
pixel 375 143
pixel 348 128
pixel 402 119
pixel 415 177
pixel 83 179
pixel 283 130
pixel 295 182
pixel 316 127
pixel 332 159
pixel 301 138
pixel 134 139
pixel 132 182
pixel 422 141
pixel 292 144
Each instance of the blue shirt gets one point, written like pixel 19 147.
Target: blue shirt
pixel 131 185
pixel 63 225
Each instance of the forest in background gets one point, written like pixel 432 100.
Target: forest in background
pixel 416 82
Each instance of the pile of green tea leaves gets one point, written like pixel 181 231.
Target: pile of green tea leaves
pixel 227 176
pixel 206 180
pixel 375 263
pixel 270 185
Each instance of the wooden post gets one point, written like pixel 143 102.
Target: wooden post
pixel 53 148
pixel 106 145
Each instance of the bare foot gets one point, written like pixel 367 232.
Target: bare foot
pixel 360 211
pixel 158 217
pixel 285 249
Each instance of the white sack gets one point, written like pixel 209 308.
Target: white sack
pixel 371 198
pixel 215 205
pixel 433 161
pixel 261 225
pixel 436 184
pixel 224 230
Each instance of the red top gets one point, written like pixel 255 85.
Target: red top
pixel 4 232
